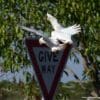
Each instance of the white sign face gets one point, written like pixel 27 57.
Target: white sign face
pixel 48 63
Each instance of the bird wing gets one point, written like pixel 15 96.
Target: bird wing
pixel 52 43
pixel 72 30
pixel 75 29
pixel 61 33
pixel 54 22
pixel 36 32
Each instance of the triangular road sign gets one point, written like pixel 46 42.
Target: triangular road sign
pixel 48 66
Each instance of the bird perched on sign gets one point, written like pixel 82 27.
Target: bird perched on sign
pixel 54 45
pixel 59 37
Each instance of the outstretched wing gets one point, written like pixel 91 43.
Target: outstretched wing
pixel 75 29
pixel 54 22
pixel 36 32
pixel 72 30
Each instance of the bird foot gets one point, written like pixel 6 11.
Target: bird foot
pixel 54 49
pixel 41 41
pixel 58 48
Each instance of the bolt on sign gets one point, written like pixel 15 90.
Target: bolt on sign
pixel 48 65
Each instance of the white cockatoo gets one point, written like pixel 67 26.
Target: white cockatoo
pixel 51 43
pixel 59 37
pixel 61 33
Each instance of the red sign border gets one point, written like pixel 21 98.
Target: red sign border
pixel 30 43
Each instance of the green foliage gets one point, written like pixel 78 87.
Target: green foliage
pixel 14 91
pixel 73 90
pixel 68 91
pixel 33 13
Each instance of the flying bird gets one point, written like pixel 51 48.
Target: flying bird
pixel 54 45
pixel 62 33
pixel 60 36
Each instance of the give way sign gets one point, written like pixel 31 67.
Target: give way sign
pixel 48 66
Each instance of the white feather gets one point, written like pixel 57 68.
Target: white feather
pixel 61 33
pixel 50 42
pixel 54 22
